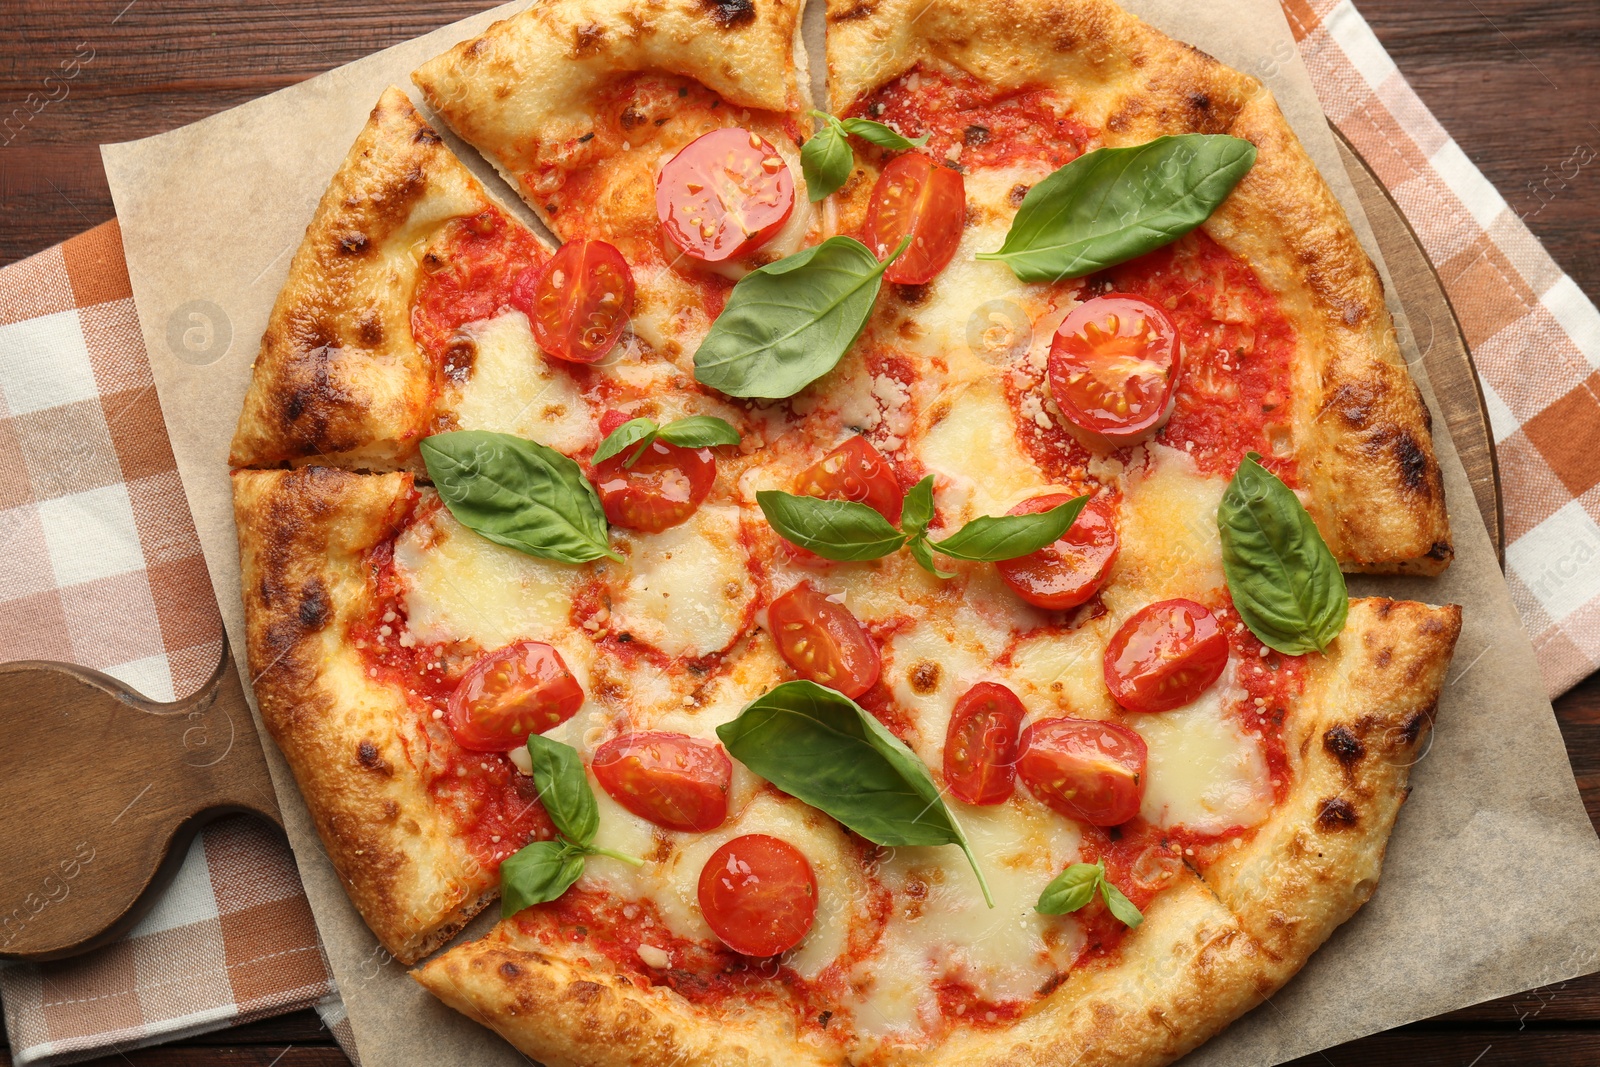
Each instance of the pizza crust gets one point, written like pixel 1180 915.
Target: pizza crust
pixel 1362 433
pixel 303 539
pixel 339 379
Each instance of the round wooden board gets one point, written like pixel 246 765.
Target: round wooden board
pixel 1438 338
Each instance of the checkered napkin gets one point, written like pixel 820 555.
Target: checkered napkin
pixel 100 566
pixel 99 563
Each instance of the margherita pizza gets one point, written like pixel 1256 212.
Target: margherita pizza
pixel 872 593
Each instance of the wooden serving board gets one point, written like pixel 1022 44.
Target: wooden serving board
pixel 104 790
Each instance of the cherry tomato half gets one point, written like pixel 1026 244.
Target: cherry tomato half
pixel 758 895
pixel 661 489
pixel 521 689
pixel 916 196
pixel 1072 570
pixel 823 642
pixel 1085 769
pixel 726 193
pixel 1165 656
pixel 672 780
pixel 578 302
pixel 1113 370
pixel 982 743
pixel 854 471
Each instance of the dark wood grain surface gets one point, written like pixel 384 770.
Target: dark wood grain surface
pixel 1515 81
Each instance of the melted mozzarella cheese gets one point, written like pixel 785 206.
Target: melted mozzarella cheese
pixel 943 929
pixel 930 666
pixel 973 447
pixel 688 590
pixel 514 389
pixel 1168 528
pixel 672 884
pixel 1206 773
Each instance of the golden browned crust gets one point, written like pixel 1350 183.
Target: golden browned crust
pixel 339 378
pixel 303 539
pixel 1352 739
pixel 534 76
pixel 1361 431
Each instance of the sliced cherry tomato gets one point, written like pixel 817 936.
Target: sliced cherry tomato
pixel 916 196
pixel 521 689
pixel 854 471
pixel 1165 656
pixel 1114 369
pixel 726 193
pixel 578 302
pixel 661 489
pixel 982 743
pixel 823 642
pixel 672 780
pixel 1072 570
pixel 1084 768
pixel 758 895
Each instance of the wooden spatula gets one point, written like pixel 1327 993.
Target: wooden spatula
pixel 101 792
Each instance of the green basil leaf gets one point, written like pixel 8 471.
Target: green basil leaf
pixel 1112 204
pixel 789 323
pixel 1070 890
pixel 881 135
pixel 518 493
pixel 699 431
pixel 924 557
pixel 826 160
pixel 538 873
pixel 1284 582
pixel 632 432
pixel 1120 906
pixel 564 789
pixel 990 538
pixel 917 511
pixel 820 747
pixel 833 529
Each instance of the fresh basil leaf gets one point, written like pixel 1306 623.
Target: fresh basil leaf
pixel 917 511
pixel 699 431
pixel 564 789
pixel 789 323
pixel 1070 890
pixel 1119 905
pixel 990 538
pixel 881 135
pixel 1112 204
pixel 826 160
pixel 1284 582
pixel 538 873
pixel 820 747
pixel 924 557
pixel 833 529
pixel 632 432
pixel 518 493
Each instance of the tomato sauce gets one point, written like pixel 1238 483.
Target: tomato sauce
pixel 1272 682
pixel 975 125
pixel 1233 392
pixel 495 809
pixel 466 276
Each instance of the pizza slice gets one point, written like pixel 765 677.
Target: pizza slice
pixel 584 106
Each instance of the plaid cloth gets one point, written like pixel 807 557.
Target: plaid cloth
pixel 101 565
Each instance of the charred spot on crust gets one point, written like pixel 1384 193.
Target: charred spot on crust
pixel 859 10
pixel 1441 550
pixel 459 359
pixel 367 755
pixel 370 330
pixel 1336 813
pixel 426 135
pixel 584 992
pixel 911 295
pixel 509 969
pixel 1343 745
pixel 1413 462
pixel 1200 102
pixel 730 13
pixel 1411 729
pixel 924 677
pixel 1354 402
pixel 314 611
pixel 586 39
pixel 353 244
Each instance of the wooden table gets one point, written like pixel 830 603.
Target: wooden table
pixel 1513 80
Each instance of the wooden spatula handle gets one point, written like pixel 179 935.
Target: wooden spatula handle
pixel 101 792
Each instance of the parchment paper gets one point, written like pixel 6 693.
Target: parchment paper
pixel 1493 870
